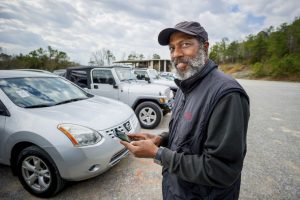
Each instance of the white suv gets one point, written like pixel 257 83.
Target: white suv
pixel 149 101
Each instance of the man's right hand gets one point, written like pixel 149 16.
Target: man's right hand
pixel 156 139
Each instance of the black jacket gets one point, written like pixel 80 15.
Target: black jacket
pixel 206 144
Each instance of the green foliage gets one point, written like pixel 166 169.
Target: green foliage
pixel 49 59
pixel 156 56
pixel 272 52
pixel 258 69
pixel 134 56
pixel 289 64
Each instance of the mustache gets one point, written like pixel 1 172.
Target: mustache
pixel 184 60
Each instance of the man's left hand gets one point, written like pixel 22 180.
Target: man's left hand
pixel 141 148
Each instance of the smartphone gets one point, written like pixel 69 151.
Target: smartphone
pixel 122 136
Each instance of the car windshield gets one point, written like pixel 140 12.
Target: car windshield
pixel 125 74
pixel 153 74
pixel 37 92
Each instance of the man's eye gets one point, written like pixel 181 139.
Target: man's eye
pixel 186 45
pixel 171 49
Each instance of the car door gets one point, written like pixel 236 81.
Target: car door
pixel 103 83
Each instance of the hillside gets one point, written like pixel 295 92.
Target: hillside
pixel 273 53
pixel 242 71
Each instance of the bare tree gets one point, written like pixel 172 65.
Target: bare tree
pixel 102 57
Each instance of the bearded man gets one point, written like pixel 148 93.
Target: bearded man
pixel 202 154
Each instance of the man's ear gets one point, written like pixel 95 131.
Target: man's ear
pixel 206 45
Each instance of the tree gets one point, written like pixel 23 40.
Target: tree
pixel 232 51
pixel 274 52
pixel 4 56
pixel 133 56
pixel 49 59
pixel 141 56
pixel 155 56
pixel 102 57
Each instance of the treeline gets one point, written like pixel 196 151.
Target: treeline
pixel 47 59
pixel 272 52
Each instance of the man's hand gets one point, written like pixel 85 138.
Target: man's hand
pixel 146 136
pixel 142 148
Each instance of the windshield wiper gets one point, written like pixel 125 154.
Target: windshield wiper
pixel 70 100
pixel 39 106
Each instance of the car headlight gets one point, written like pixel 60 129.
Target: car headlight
pixel 169 93
pixel 80 135
pixel 134 122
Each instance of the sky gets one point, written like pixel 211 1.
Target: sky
pixel 81 27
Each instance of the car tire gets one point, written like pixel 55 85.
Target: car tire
pixel 149 114
pixel 37 172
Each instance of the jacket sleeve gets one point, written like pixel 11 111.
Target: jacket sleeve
pixel 164 137
pixel 224 149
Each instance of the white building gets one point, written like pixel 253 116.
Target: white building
pixel 161 65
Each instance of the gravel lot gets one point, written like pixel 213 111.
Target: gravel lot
pixel 271 169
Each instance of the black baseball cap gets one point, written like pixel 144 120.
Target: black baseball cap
pixel 190 28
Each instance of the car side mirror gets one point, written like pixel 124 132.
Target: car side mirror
pixel 115 86
pixel 111 81
pixel 147 79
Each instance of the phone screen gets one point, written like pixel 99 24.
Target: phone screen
pixel 122 136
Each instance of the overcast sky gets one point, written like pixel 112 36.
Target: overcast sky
pixel 80 27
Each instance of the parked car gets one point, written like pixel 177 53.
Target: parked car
pixel 168 75
pixel 36 70
pixel 52 131
pixel 152 76
pixel 149 101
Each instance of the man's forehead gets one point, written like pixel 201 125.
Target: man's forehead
pixel 179 36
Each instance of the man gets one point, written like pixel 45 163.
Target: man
pixel 202 154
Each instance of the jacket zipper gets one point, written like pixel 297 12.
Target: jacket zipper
pixel 180 113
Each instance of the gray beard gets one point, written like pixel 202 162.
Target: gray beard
pixel 194 64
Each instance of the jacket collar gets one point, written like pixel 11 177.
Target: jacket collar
pixel 189 84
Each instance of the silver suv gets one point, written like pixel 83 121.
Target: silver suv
pixel 52 131
pixel 149 101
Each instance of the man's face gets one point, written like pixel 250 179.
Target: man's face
pixel 188 56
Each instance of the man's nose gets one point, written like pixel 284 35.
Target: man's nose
pixel 177 53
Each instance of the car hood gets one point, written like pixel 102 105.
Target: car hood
pixel 98 113
pixel 166 82
pixel 144 88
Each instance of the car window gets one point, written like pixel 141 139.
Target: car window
pixel 3 110
pixel 46 91
pixel 103 77
pixel 125 74
pixel 79 77
pixel 153 74
pixel 141 75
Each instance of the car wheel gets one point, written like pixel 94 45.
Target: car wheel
pixel 38 173
pixel 149 114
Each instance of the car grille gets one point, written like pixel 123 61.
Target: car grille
pixel 126 127
pixel 117 156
